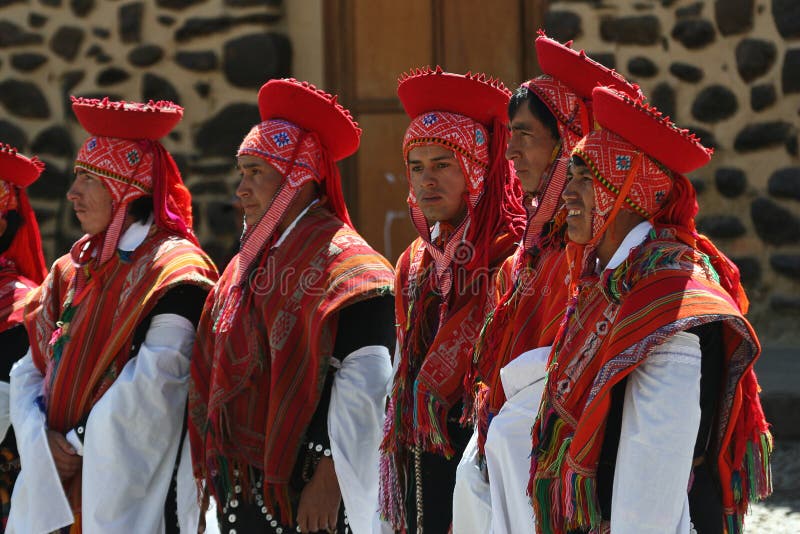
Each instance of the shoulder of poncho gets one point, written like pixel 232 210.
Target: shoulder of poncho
pixel 655 257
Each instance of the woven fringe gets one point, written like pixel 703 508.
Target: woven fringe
pixel 752 481
pixel 390 498
pixel 430 423
pixel 581 507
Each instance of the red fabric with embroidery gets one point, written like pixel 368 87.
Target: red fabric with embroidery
pixel 25 251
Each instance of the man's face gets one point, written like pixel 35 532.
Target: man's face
pixel 438 183
pixel 530 147
pixel 259 183
pixel 579 198
pixel 91 201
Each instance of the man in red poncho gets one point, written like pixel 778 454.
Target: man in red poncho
pixel 549 115
pixel 290 369
pixel 98 404
pixel 466 208
pixel 650 420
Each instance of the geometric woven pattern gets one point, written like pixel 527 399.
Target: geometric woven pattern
pixel 276 141
pixel 126 169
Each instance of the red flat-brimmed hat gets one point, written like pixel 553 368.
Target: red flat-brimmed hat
pixel 18 169
pixel 127 120
pixel 578 70
pixel 477 96
pixel 313 110
pixel 647 129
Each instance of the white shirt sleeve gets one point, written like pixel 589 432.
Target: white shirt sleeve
pixel 660 420
pixel 508 443
pixel 5 413
pixel 355 426
pixel 133 433
pixel 472 506
pixel 38 482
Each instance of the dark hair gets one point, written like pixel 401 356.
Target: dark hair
pixel 13 221
pixel 141 208
pixel 537 108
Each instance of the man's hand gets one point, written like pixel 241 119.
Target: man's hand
pixel 320 499
pixel 67 460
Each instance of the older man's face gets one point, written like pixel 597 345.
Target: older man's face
pixel 91 201
pixel 259 184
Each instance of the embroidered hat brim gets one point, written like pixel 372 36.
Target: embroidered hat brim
pixel 477 96
pixel 127 120
pixel 17 169
pixel 577 70
pixel 647 129
pixel 313 110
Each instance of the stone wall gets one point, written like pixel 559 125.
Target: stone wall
pixel 730 71
pixel 208 56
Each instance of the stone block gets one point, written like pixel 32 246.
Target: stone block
pixel 686 72
pixel 27 62
pixel 754 58
pixel 111 76
pixel 694 33
pixel 762 96
pixel 721 226
pixel 157 88
pixel 251 60
pixel 749 270
pixel 787 18
pixel 642 67
pixel 81 8
pixel 562 26
pixel 714 103
pixel 785 183
pixel 635 30
pixel 66 42
pixel 790 74
pixel 23 99
pixel 733 16
pixel 786 264
pixel 222 133
pixel 663 98
pixel 761 135
pixel 55 141
pixel 145 55
pixel 730 182
pixel 774 224
pixel 13 35
pixel 130 22
pixel 13 135
pixel 202 61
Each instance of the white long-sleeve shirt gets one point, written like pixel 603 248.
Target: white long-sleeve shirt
pixel 660 421
pixel 131 440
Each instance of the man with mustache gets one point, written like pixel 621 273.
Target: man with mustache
pixel 290 369
pixel 466 209
pixel 650 419
pixel 98 403
pixel 22 269
pixel 549 115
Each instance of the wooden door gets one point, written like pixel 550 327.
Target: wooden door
pixel 369 43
